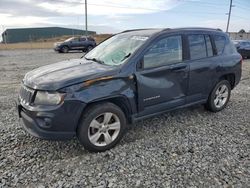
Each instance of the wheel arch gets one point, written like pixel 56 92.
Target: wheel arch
pixel 230 77
pixel 64 45
pixel 121 101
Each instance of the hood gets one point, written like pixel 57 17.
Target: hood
pixel 56 76
pixel 58 43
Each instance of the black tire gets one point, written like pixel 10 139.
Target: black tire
pixel 91 114
pixel 65 49
pixel 89 48
pixel 210 105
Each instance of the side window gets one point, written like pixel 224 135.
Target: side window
pixel 209 46
pixel 197 46
pixel 219 43
pixel 164 52
pixel 82 39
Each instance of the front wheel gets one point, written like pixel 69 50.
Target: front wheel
pixel 219 96
pixel 65 49
pixel 102 127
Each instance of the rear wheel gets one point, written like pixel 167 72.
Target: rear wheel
pixel 89 48
pixel 219 96
pixel 102 127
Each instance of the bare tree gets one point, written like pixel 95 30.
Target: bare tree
pixel 242 31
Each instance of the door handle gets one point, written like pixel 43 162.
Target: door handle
pixel 178 67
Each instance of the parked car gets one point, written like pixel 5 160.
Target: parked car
pixel 75 43
pixel 133 75
pixel 243 47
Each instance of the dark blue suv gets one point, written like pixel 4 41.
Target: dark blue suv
pixel 132 75
pixel 243 47
pixel 82 43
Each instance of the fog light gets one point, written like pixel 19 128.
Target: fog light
pixel 44 122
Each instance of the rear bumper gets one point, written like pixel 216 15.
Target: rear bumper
pixel 56 124
pixel 238 75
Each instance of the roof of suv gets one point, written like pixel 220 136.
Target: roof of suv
pixel 151 31
pixel 146 32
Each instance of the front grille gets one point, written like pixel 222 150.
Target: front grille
pixel 26 95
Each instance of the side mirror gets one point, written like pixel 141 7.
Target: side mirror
pixel 140 64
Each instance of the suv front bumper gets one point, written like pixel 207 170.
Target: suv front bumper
pixel 57 124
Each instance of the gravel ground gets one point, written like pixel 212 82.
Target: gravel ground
pixel 185 148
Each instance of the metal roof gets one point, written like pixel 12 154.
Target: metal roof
pixel 30 34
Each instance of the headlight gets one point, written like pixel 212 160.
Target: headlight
pixel 48 98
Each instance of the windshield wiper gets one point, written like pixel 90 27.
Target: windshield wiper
pixel 95 60
pixel 126 56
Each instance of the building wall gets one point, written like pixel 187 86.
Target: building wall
pixel 239 36
pixel 33 34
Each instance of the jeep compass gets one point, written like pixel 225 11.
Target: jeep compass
pixel 132 75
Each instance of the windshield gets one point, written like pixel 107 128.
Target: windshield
pixel 115 50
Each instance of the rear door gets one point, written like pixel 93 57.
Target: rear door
pixel 203 66
pixel 82 43
pixel 75 43
pixel 162 80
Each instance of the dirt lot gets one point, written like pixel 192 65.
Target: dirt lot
pixel 186 148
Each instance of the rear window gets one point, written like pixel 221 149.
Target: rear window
pixel 219 43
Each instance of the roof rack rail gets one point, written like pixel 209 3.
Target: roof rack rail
pixel 137 30
pixel 166 29
pixel 206 28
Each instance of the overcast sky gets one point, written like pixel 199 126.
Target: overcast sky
pixel 107 16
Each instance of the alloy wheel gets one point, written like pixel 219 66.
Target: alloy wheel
pixel 221 96
pixel 104 129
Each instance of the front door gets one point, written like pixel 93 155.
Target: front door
pixel 163 79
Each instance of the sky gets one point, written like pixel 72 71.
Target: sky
pixel 111 16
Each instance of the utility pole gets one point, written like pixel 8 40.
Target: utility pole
pixel 229 14
pixel 4 34
pixel 86 18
